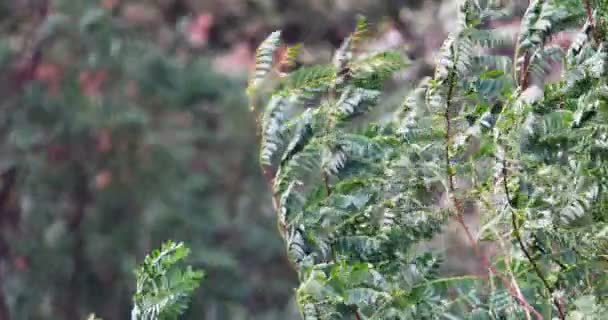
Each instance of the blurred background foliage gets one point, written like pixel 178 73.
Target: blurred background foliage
pixel 123 123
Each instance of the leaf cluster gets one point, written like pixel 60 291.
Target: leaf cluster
pixel 357 200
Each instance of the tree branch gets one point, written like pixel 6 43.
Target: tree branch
pixel 451 82
pixel 522 246
pixel 589 12
pixel 591 19
pixel 357 315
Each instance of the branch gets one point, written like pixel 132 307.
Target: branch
pixel 591 19
pixel 525 72
pixel 523 78
pixel 589 12
pixel 357 315
pixel 269 176
pixel 451 81
pixel 326 182
pixel 517 233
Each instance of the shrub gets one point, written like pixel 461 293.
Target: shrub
pixel 356 199
pixel 163 287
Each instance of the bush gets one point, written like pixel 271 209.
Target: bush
pixel 357 199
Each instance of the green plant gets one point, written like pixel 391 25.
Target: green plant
pixel 357 197
pixel 163 288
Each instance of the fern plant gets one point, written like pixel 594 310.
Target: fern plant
pixel 163 287
pixel 357 197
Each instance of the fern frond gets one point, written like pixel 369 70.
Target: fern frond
pixel 263 59
pixel 354 101
pixel 302 136
pixel 273 127
pixel 361 31
pixel 579 43
pixel 291 54
pixel 308 84
pixel 298 165
pixel 541 60
pixel 356 200
pixel 345 53
pixel 492 38
pixel 311 77
pixel 164 289
pixel 371 72
pixel 344 147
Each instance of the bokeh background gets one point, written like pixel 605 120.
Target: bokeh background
pixel 124 123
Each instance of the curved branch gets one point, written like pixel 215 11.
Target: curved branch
pixel 591 19
pixel 451 82
pixel 357 315
pixel 522 246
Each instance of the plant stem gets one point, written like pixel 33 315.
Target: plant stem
pixel 451 82
pixel 525 75
pixel 591 19
pixel 522 246
pixel 357 315
pixel 326 182
pixel 589 12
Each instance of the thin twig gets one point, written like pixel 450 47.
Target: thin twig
pixel 486 263
pixel 525 73
pixel 591 19
pixel 448 133
pixel 269 176
pixel 523 78
pixel 451 81
pixel 522 246
pixel 357 315
pixel 589 12
pixel 326 182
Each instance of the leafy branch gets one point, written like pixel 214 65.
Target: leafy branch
pixel 164 289
pixel 355 198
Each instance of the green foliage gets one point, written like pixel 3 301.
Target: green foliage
pixel 346 238
pixel 357 201
pixel 164 289
pixel 264 58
